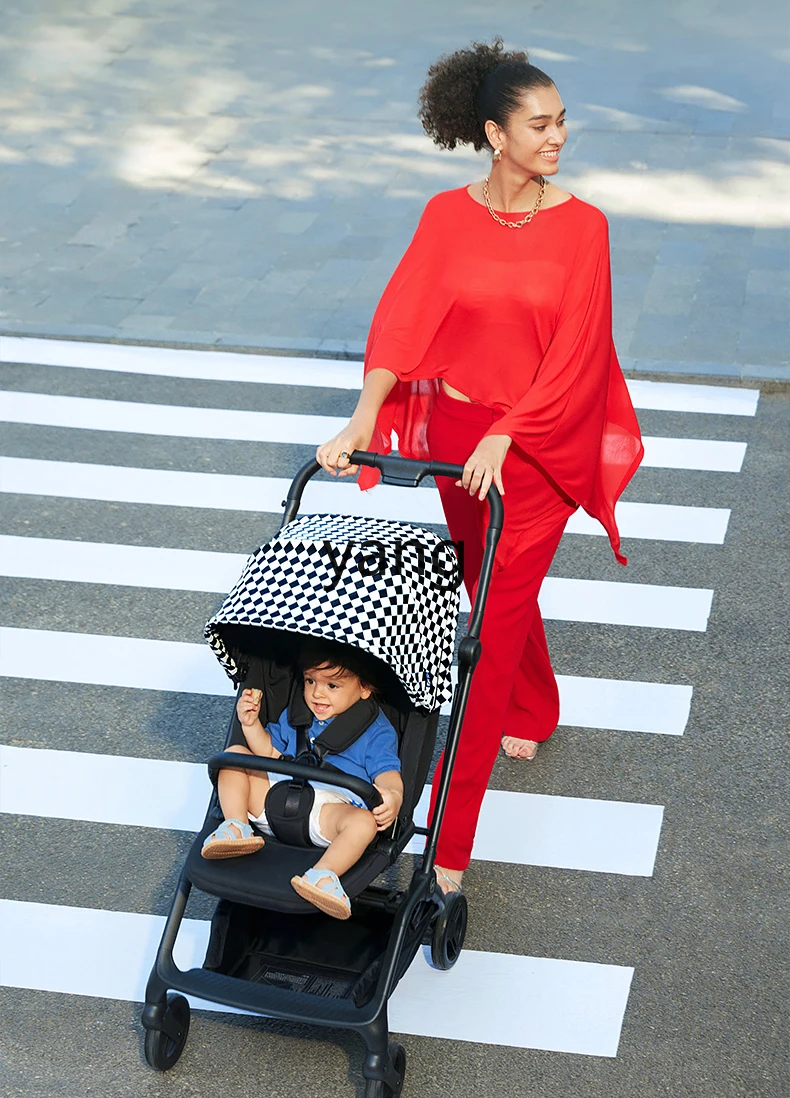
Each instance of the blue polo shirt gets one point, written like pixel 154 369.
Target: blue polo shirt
pixel 374 753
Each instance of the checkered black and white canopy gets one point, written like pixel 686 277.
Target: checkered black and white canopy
pixel 386 587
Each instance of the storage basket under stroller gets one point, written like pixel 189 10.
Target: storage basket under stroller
pixel 390 589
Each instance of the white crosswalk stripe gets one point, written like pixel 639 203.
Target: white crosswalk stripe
pixel 227 492
pixel 599 601
pixel 323 373
pixel 693 453
pixel 228 366
pixel 108 954
pixel 179 666
pixel 521 828
pixel 176 421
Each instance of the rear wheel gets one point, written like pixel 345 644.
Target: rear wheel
pixel 377 1088
pixel 449 931
pixel 162 1051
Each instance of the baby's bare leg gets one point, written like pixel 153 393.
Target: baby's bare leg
pixel 241 791
pixel 350 831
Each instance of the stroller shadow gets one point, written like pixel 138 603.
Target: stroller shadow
pixel 223 1024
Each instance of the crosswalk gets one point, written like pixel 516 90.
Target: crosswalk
pixel 77 951
pixel 74 950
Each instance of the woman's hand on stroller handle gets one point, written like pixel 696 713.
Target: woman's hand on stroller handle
pixel 334 456
pixel 356 435
pixel 484 466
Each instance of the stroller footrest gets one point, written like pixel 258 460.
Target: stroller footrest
pixel 271 1001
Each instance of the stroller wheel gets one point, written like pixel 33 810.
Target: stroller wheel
pixel 449 931
pixel 161 1050
pixel 377 1088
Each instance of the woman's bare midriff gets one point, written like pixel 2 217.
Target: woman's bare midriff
pixel 451 392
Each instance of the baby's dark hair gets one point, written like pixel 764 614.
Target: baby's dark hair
pixel 466 89
pixel 315 654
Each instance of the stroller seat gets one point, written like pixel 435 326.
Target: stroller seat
pixel 263 879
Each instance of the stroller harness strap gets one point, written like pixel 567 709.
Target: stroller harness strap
pixel 289 803
pixel 341 733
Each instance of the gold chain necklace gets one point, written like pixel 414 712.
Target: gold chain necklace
pixel 525 220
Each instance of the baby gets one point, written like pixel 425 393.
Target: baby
pixel 339 820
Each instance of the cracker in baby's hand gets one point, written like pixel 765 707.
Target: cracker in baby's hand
pixel 256 696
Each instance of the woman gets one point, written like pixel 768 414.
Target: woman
pixel 492 348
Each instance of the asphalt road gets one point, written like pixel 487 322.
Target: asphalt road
pixel 701 927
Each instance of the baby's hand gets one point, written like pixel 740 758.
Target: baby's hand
pixel 248 707
pixel 387 812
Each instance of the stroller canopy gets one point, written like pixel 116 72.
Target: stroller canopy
pixel 386 587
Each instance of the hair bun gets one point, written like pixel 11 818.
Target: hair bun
pixel 457 99
pixel 447 99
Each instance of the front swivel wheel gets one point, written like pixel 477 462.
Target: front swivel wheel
pixel 377 1088
pixel 162 1049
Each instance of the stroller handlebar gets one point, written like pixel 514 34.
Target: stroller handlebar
pixel 394 470
pixel 235 760
pixel 408 473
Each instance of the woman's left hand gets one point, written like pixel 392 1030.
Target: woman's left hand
pixel 484 466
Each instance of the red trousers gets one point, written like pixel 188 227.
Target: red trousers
pixel 513 691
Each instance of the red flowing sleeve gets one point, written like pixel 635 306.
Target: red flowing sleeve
pixel 407 318
pixel 576 419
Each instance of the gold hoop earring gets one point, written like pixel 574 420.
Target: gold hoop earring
pixel 497 155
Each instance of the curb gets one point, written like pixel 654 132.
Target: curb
pixel 240 344
pixel 768 377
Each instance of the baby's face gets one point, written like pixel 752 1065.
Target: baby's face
pixel 330 691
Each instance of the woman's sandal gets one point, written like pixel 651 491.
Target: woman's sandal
pixel 455 886
pixel 332 900
pixel 223 843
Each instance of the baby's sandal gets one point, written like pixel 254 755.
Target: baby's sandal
pixel 224 843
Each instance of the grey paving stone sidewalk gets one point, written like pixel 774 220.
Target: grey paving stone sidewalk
pixel 249 174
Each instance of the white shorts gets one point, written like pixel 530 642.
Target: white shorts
pixel 322 797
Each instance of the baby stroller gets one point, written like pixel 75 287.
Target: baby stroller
pixel 364 582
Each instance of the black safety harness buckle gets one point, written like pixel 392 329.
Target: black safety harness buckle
pixel 289 803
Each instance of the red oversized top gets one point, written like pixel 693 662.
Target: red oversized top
pixel 520 321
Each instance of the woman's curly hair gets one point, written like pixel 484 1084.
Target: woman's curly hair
pixel 467 88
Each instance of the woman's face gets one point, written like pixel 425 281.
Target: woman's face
pixel 535 133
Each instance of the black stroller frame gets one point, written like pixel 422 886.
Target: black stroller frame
pixel 401 921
